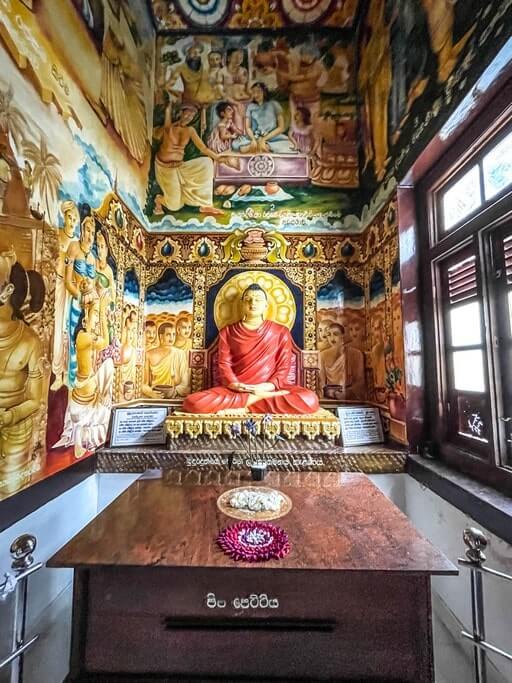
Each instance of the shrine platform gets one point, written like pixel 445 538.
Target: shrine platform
pixel 298 455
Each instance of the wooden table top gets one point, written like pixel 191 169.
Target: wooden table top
pixel 339 521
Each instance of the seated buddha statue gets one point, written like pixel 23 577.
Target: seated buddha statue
pixel 254 360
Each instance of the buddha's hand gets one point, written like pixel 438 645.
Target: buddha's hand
pixel 262 388
pixel 6 418
pixel 238 386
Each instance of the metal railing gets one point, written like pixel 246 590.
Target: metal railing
pixel 16 583
pixel 476 543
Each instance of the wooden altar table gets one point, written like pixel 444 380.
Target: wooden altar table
pixel 155 597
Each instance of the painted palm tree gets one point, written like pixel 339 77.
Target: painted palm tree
pixel 12 119
pixel 46 172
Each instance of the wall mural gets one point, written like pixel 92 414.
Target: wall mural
pixel 253 130
pixel 130 356
pixel 385 365
pixel 340 339
pixel 245 14
pixel 167 332
pixel 418 58
pixel 62 260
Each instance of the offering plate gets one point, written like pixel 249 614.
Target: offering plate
pixel 263 515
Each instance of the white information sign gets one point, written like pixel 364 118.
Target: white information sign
pixel 138 426
pixel 360 425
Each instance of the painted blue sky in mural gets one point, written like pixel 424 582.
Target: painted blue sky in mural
pixel 169 294
pixel 131 287
pixel 340 291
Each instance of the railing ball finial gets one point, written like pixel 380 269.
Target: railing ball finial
pixel 476 542
pixel 21 551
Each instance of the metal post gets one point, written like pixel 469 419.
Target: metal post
pixel 23 565
pixel 476 541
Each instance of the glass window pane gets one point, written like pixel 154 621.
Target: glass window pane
pixel 465 325
pixel 471 416
pixel 498 167
pixel 462 198
pixel 468 370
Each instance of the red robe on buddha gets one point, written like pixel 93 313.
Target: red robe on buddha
pixel 253 357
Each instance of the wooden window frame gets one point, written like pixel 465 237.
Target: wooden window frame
pixel 435 246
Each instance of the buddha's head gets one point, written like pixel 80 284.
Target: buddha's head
pixel 254 302
pixel 167 334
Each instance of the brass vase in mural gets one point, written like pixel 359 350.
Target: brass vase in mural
pixel 245 125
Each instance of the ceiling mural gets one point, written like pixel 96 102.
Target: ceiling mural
pixel 244 14
pixel 253 128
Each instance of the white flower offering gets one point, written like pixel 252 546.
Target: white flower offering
pixel 257 501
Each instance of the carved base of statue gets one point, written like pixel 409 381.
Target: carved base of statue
pixel 320 423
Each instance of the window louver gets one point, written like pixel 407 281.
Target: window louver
pixel 507 256
pixel 462 283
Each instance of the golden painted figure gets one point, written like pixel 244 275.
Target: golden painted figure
pixel 150 335
pixel 166 371
pixel 60 351
pixel 441 17
pixel 90 401
pixel 184 332
pixel 255 357
pixel 122 86
pixel 21 378
pixel 375 86
pixel 128 361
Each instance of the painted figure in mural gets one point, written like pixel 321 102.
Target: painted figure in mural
pixel 225 132
pixel 105 282
pixel 122 86
pixel 235 80
pixel 184 332
pixel 194 74
pixel 409 54
pixel 216 73
pixel 264 125
pixel 305 79
pixel 128 356
pixel 375 85
pixel 60 353
pixel 378 358
pixel 79 280
pixel 322 334
pixel 255 357
pixel 90 401
pixel 184 182
pixel 166 371
pixel 342 367
pixel 441 19
pixel 356 334
pixel 21 380
pixel 150 336
pixel 301 131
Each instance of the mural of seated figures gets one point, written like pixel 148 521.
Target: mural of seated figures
pixel 340 339
pixel 167 338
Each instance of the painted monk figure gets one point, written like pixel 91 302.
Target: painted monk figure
pixel 255 356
